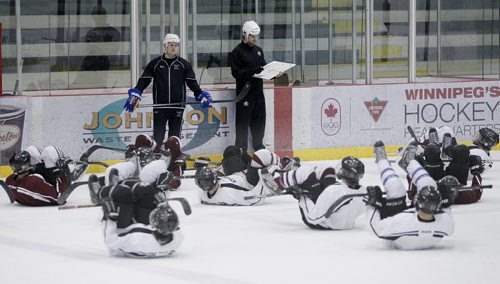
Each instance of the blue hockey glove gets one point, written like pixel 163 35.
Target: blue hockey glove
pixel 205 100
pixel 134 98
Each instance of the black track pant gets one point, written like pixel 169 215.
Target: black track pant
pixel 251 112
pixel 160 119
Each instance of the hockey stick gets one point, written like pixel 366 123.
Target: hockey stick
pixel 184 203
pixel 412 133
pixel 474 187
pixel 85 156
pixel 64 207
pixel 9 192
pixel 341 200
pixel 283 192
pixel 265 195
pixel 238 98
pixel 78 172
pixel 201 161
pixel 64 196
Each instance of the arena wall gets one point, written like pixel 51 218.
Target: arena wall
pixel 313 123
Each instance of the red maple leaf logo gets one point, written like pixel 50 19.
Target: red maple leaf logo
pixel 331 111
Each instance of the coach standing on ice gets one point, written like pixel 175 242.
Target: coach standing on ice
pixel 171 73
pixel 246 60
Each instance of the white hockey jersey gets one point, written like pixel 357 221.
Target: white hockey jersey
pixel 137 240
pixel 125 170
pixel 344 215
pixel 233 190
pixel 406 231
pixel 150 172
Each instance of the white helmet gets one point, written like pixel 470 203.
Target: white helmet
pixel 171 38
pixel 250 28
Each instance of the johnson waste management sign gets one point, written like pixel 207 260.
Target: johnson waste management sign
pixel 105 123
pixel 359 115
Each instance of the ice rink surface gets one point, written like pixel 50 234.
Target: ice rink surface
pixel 267 243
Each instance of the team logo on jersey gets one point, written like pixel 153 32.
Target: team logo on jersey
pixel 331 120
pixel 259 54
pixel 375 107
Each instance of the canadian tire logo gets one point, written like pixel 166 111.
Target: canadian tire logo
pixel 331 119
pixel 375 107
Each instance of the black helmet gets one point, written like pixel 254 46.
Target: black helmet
pixel 164 219
pixel 428 199
pixel 351 170
pixel 486 138
pixel 145 155
pixel 448 188
pixel 206 178
pixel 20 161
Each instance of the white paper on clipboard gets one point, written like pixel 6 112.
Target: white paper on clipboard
pixel 272 69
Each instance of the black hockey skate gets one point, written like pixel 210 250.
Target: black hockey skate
pixel 408 154
pixel 288 164
pixel 94 186
pixel 433 136
pixel 379 151
pixel 445 148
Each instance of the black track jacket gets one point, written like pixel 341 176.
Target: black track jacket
pixel 170 79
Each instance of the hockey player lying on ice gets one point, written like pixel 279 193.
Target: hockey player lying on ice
pixel 240 180
pixel 137 220
pixel 39 177
pixel 443 156
pixel 422 227
pixel 317 191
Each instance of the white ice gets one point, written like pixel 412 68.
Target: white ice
pixel 260 244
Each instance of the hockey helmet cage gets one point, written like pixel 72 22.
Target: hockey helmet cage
pixel 206 178
pixel 164 219
pixel 428 199
pixel 129 152
pixel 486 138
pixel 449 181
pixel 250 28
pixel 351 170
pixel 171 38
pixel 20 161
pixel 145 155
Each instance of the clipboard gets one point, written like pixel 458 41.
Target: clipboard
pixel 273 69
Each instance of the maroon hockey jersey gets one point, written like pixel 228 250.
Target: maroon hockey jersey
pixel 33 190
